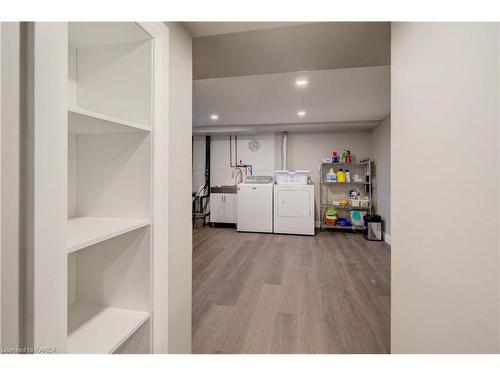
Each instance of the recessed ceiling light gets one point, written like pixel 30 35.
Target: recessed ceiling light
pixel 301 82
pixel 214 117
pixel 301 113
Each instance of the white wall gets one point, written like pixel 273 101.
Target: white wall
pixel 10 301
pixel 305 151
pixel 220 171
pixel 129 59
pixel 1 189
pixel 445 188
pixel 180 238
pixel 381 154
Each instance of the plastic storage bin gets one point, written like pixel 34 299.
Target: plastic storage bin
pixel 357 218
pixel 298 177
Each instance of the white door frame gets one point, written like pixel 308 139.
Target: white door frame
pixel 159 33
pixel 0 186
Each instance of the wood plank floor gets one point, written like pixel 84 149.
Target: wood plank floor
pixel 267 293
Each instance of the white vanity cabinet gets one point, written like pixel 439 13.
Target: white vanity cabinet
pixel 223 208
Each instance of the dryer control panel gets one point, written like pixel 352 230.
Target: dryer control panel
pixel 258 180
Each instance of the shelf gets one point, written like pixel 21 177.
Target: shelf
pixel 357 163
pixel 83 121
pixel 344 183
pixel 345 207
pixel 100 329
pixel 87 231
pixel 324 226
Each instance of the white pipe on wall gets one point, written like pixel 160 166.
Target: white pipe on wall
pixel 284 150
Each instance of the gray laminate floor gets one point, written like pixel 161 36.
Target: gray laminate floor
pixel 265 293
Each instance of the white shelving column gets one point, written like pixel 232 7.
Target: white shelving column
pixel 0 183
pixel 45 144
pixel 108 177
pixel 109 211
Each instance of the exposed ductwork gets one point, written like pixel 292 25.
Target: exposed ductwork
pixel 284 151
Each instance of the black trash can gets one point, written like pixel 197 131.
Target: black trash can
pixel 373 225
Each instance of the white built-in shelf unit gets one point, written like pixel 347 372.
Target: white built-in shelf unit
pixel 109 188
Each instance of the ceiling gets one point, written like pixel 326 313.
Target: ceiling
pixel 312 46
pixel 337 95
pixel 198 29
pixel 247 77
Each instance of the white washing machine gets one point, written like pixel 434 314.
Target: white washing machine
pixel 294 209
pixel 255 204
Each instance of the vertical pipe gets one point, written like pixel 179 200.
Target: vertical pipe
pixel 236 150
pixel 230 151
pixel 207 164
pixel 284 146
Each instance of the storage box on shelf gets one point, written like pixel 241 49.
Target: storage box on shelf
pixel 109 186
pixel 329 189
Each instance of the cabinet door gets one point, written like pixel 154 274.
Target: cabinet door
pixel 230 204
pixel 293 203
pixel 217 208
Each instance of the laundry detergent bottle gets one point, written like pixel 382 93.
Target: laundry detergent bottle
pixel 331 176
pixel 340 175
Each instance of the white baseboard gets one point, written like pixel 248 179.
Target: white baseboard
pixel 387 238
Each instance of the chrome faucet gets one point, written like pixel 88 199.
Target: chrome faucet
pixel 236 173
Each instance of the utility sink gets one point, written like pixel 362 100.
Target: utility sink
pixel 224 189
